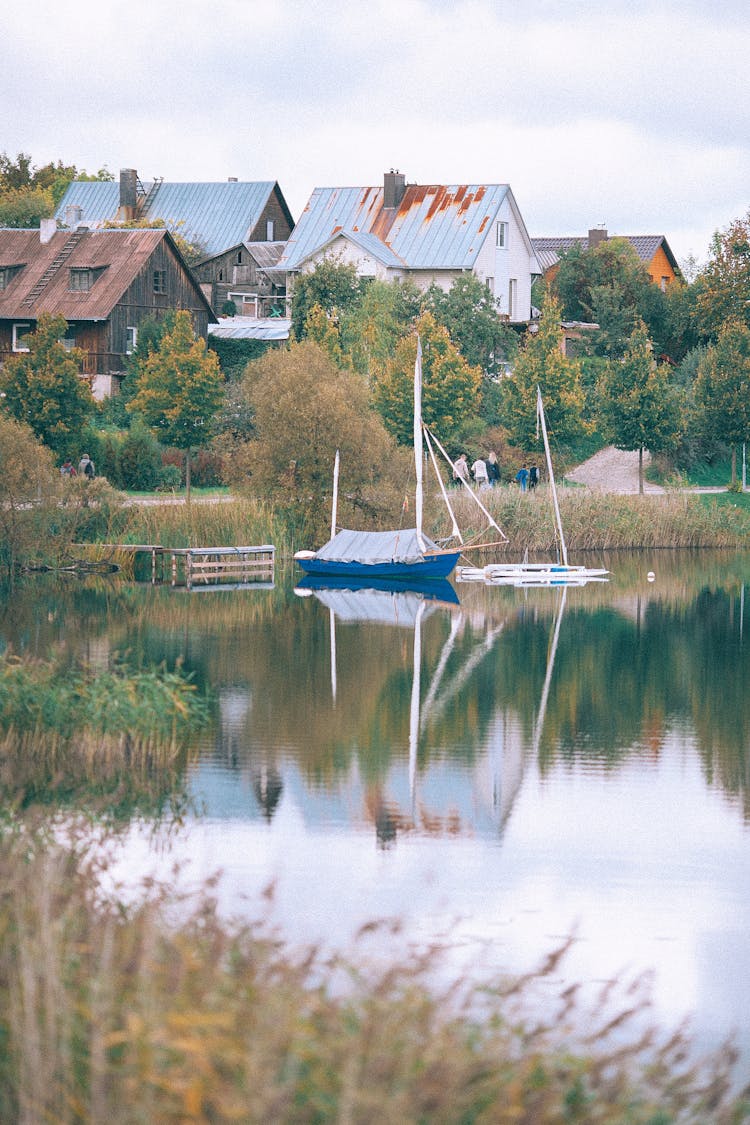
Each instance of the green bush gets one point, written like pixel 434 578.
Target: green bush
pixel 140 459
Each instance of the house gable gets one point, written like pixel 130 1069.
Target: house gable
pixel 431 233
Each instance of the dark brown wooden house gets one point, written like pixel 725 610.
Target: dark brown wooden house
pixel 105 283
pixel 245 276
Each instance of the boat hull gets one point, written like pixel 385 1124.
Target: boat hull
pixel 431 566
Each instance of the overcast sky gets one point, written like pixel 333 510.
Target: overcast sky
pixel 622 113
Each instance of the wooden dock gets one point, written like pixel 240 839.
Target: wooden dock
pixel 203 566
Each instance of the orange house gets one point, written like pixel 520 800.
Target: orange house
pixel 652 249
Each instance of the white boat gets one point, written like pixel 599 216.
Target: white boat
pixel 558 573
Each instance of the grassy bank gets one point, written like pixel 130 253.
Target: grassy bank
pixel 117 1013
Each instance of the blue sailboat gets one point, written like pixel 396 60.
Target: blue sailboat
pixel 405 553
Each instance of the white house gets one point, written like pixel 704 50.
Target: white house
pixel 428 233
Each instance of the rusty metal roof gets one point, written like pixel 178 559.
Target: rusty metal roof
pixel 214 216
pixel 43 284
pixel 433 227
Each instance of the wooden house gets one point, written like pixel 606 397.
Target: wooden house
pixel 246 277
pixel 430 234
pixel 652 249
pixel 105 283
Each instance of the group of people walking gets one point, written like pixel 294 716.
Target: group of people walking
pixel 486 473
pixel 85 468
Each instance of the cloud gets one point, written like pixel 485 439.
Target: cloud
pixel 630 113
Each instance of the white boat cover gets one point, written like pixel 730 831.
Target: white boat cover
pixel 379 606
pixel 375 546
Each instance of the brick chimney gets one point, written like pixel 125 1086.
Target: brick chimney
pixel 47 230
pixel 597 236
pixel 394 186
pixel 128 195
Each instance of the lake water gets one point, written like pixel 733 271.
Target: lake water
pixel 499 768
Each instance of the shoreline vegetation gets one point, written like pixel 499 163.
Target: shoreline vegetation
pixel 119 1008
pixel 593 521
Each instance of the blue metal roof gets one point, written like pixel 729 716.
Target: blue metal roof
pixel 433 227
pixel 216 216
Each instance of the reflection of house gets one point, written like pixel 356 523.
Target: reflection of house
pixel 104 283
pixel 652 249
pixel 429 234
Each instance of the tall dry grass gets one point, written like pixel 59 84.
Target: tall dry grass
pixel 115 1012
pixel 594 521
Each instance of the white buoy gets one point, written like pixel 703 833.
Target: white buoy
pixel 651 576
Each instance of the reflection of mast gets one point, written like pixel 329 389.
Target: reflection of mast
pixel 539 724
pixel 414 708
pixel 332 616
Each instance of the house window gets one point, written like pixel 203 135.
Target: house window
pixel 501 235
pixel 21 333
pixel 269 230
pixel 80 280
pixel 512 297
pixel 131 339
pixel 490 283
pixel 7 273
pixel 68 342
pixel 664 284
pixel 160 281
pixel 239 257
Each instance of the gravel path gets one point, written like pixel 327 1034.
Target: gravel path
pixel 613 470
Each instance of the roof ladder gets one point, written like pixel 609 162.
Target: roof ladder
pixel 145 198
pixel 65 252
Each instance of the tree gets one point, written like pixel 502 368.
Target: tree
pixel 722 388
pixel 180 389
pixel 450 387
pixel 609 285
pixel 29 489
pixel 305 407
pixel 44 388
pixel 639 407
pixel 371 328
pixel 29 194
pixel 469 313
pixel 723 286
pixel 332 285
pixel 541 363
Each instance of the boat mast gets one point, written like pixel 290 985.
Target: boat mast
pixel 335 501
pixel 548 455
pixel 418 443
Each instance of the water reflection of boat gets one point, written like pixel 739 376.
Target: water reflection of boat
pixel 333 593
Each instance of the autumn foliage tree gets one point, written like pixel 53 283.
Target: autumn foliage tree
pixel 723 286
pixel 180 389
pixel 450 386
pixel 44 388
pixel 541 363
pixel 305 407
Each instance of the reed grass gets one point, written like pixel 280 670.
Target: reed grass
pixel 112 741
pixel 222 523
pixel 112 1010
pixel 594 521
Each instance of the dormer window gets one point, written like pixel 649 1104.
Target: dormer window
pixel 7 273
pixel 82 278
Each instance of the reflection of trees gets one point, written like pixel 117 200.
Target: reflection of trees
pixel 633 660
